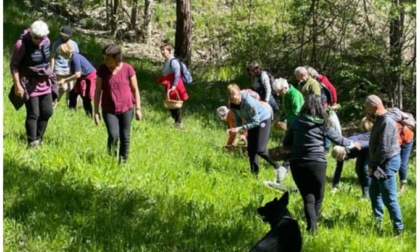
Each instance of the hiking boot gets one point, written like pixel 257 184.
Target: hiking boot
pixel 275 185
pixel 365 193
pixel 281 173
pixel 178 125
pixel 398 232
pixel 34 144
pixel 403 188
pixel 334 190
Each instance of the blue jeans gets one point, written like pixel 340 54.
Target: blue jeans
pixel 405 155
pixel 385 192
pixel 361 168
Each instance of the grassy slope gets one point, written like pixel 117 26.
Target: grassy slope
pixel 179 190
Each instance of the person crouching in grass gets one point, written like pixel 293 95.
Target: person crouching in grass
pixel 254 117
pixel 85 75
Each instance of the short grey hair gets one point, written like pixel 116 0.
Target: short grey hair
pixel 39 28
pixel 312 72
pixel 374 100
pixel 301 70
pixel 279 84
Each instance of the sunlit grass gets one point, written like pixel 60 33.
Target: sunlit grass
pixel 179 190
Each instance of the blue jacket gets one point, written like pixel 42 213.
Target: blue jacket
pixel 250 111
pixel 363 139
pixel 306 137
pixel 383 144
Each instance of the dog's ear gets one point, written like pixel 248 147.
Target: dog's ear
pixel 284 200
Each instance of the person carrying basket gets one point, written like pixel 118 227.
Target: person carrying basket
pixel 174 86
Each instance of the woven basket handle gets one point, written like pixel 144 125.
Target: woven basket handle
pixel 237 141
pixel 167 95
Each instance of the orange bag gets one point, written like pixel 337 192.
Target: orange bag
pixel 405 134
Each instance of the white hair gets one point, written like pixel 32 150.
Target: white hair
pixel 301 70
pixel 222 112
pixel 279 84
pixel 312 72
pixel 39 28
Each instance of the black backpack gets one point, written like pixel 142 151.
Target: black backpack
pixel 271 78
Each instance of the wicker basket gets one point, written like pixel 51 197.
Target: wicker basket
pixel 172 104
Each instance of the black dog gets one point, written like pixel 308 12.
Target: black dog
pixel 284 234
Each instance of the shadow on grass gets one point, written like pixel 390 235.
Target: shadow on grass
pixel 47 202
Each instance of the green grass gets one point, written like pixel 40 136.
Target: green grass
pixel 179 191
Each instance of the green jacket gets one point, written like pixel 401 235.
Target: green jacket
pixel 292 103
pixel 311 86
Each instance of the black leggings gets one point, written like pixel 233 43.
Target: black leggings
pixel 310 177
pixel 118 127
pixel 257 145
pixel 39 109
pixel 87 105
pixel 176 115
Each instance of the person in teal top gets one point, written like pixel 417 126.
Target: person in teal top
pixel 292 100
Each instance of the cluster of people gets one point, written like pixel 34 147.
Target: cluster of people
pixel 307 115
pixel 306 112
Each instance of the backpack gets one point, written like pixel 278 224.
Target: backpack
pixel 185 73
pixel 271 78
pixel 408 120
pixel 405 134
pixel 326 95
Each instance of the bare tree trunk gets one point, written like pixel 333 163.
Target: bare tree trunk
pixel 314 32
pixel 133 15
pixel 183 31
pixel 396 41
pixel 147 26
pixel 114 18
pixel 108 8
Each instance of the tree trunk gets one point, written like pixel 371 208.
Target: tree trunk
pixel 314 32
pixel 396 43
pixel 147 26
pixel 108 8
pixel 183 31
pixel 133 16
pixel 114 18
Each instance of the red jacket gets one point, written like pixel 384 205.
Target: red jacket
pixel 86 85
pixel 180 88
pixel 327 83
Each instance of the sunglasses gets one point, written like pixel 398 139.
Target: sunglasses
pixel 37 37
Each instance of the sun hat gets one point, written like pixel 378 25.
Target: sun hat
pixel 66 31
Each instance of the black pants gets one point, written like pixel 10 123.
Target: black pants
pixel 310 177
pixel 118 127
pixel 87 105
pixel 257 145
pixel 176 115
pixel 39 109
